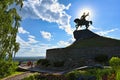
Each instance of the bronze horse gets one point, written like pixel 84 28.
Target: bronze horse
pixel 80 23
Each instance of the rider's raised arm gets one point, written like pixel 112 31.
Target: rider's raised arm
pixel 87 14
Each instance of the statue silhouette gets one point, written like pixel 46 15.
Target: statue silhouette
pixel 82 21
pixel 83 17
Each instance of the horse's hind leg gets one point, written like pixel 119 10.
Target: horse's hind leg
pixel 87 26
pixel 76 26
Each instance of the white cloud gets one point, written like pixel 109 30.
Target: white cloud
pixel 27 49
pixel 22 31
pixel 46 35
pixel 48 10
pixel 32 39
pixel 21 41
pixel 32 49
pixel 63 44
pixel 31 36
pixel 103 33
pixel 93 28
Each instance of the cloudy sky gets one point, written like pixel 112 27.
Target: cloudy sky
pixel 49 24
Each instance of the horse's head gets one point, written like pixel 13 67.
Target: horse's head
pixel 77 20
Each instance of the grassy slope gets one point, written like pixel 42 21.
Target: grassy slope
pixel 95 42
pixel 14 74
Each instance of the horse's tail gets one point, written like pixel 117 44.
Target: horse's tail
pixel 90 22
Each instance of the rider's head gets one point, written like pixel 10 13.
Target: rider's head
pixel 84 13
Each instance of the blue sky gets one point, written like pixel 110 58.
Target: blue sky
pixel 49 24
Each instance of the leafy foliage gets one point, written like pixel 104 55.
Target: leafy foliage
pixel 7 68
pixel 9 23
pixel 115 62
pixel 73 75
pixel 46 77
pixel 90 74
pixel 95 74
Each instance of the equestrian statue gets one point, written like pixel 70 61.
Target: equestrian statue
pixel 82 21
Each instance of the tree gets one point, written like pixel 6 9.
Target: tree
pixel 16 48
pixel 9 23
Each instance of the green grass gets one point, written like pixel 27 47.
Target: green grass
pixel 96 42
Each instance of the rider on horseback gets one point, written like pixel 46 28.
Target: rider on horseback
pixel 82 21
pixel 83 17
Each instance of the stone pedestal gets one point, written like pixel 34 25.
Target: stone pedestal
pixel 83 34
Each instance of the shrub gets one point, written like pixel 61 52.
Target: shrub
pixel 74 75
pixel 71 76
pixel 118 75
pixel 87 74
pixel 43 62
pixel 115 62
pixel 58 64
pixel 99 73
pixel 7 68
pixel 46 77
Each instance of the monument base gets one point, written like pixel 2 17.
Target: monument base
pixel 83 34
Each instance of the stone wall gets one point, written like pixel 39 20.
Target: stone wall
pixel 86 55
pixel 76 55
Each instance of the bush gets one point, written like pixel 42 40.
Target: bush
pixel 102 58
pixel 88 74
pixel 99 73
pixel 115 62
pixel 74 75
pixel 43 62
pixel 46 77
pixel 71 76
pixel 7 68
pixel 58 64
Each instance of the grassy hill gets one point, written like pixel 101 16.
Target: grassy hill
pixel 97 41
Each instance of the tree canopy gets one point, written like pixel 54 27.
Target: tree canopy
pixel 9 23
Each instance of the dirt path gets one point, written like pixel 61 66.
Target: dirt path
pixel 20 76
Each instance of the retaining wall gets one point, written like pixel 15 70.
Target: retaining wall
pixel 76 55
